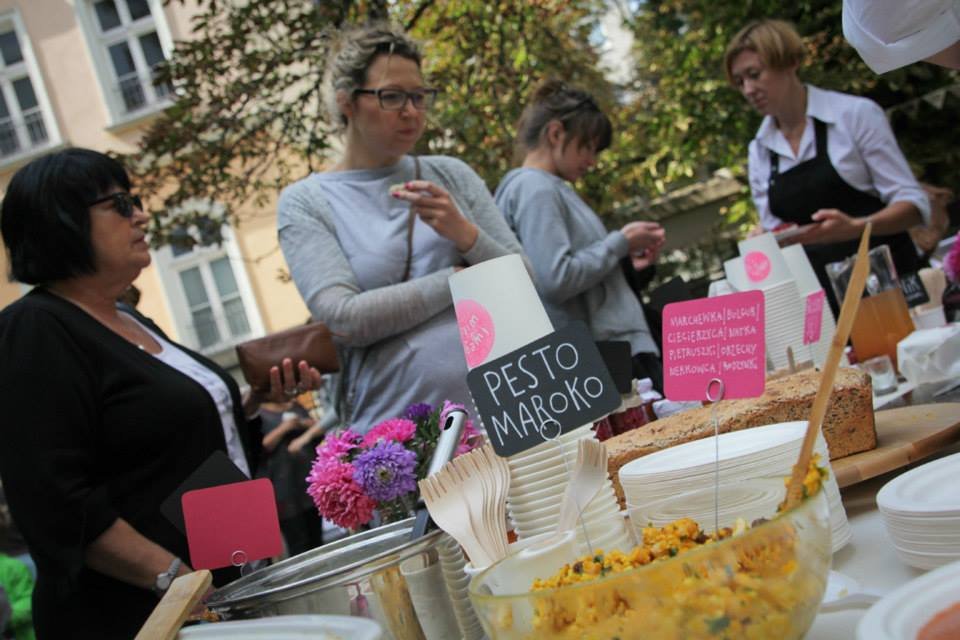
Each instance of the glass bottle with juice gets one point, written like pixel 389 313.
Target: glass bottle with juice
pixel 882 319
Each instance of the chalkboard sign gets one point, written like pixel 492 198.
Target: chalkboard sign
pixel 616 356
pixel 913 290
pixel 556 383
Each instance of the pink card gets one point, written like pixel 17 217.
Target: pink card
pixel 232 524
pixel 813 316
pixel 721 337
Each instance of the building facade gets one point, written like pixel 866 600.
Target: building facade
pixel 79 73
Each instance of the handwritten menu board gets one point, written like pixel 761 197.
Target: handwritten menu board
pixel 547 387
pixel 721 337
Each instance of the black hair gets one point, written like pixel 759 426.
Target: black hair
pixel 45 215
pixel 574 108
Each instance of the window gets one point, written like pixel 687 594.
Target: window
pixel 129 41
pixel 210 297
pixel 25 122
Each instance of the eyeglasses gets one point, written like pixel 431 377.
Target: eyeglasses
pixel 396 99
pixel 123 203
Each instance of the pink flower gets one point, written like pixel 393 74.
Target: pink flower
pixel 470 439
pixel 337 446
pixel 393 430
pixel 337 497
pixel 951 264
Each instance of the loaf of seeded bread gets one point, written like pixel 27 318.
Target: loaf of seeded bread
pixel 848 426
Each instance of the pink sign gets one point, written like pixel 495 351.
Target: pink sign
pixel 476 331
pixel 757 266
pixel 232 524
pixel 714 338
pixel 813 317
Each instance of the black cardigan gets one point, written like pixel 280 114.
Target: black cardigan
pixel 93 429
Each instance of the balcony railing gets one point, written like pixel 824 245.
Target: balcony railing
pixel 19 136
pixel 138 92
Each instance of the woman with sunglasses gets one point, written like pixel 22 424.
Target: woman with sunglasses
pixel 104 416
pixel 579 265
pixel 371 241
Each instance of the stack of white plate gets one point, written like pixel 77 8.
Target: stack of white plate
pixel 921 509
pixel 748 501
pixel 783 320
pixel 538 479
pixel 286 628
pixel 760 453
pixel 902 613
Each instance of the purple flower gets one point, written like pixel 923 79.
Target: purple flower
pixel 386 471
pixel 447 408
pixel 417 412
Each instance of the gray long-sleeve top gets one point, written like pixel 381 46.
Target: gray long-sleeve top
pixel 576 261
pixel 344 239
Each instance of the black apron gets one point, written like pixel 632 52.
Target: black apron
pixel 799 192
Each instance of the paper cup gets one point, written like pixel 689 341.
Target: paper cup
pixel 429 596
pixel 927 317
pixel 498 309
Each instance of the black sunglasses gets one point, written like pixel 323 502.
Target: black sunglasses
pixel 123 203
pixel 396 99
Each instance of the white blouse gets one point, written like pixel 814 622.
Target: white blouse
pixel 889 34
pixel 860 144
pixel 182 362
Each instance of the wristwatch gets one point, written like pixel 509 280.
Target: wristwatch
pixel 165 579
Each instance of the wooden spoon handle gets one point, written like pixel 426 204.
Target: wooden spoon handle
pixel 851 302
pixel 168 616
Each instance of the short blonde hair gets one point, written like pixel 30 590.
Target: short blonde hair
pixel 776 42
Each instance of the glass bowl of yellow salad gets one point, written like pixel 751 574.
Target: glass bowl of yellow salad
pixel 764 580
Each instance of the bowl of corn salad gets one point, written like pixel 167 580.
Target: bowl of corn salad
pixel 758 580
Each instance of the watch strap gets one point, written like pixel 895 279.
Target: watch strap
pixel 165 579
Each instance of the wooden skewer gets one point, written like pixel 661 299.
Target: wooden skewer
pixel 851 302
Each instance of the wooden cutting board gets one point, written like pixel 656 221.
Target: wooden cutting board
pixel 903 436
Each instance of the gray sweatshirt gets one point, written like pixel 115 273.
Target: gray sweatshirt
pixel 344 239
pixel 576 261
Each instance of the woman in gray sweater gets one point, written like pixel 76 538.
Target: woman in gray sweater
pixel 576 261
pixel 371 241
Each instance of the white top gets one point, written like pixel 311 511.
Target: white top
pixel 860 144
pixel 889 34
pixel 174 357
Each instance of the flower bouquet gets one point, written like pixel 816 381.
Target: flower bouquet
pixel 357 476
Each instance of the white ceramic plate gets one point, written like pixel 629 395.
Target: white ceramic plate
pixel 305 627
pixel 928 490
pixel 902 613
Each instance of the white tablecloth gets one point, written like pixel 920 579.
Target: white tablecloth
pixel 869 558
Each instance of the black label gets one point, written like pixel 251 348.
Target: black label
pixel 545 388
pixel 913 290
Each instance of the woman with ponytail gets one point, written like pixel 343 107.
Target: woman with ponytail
pixel 576 261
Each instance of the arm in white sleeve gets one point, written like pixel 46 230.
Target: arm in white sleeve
pixel 892 177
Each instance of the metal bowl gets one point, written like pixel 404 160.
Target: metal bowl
pixel 358 575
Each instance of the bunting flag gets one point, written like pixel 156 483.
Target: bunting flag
pixel 936 98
